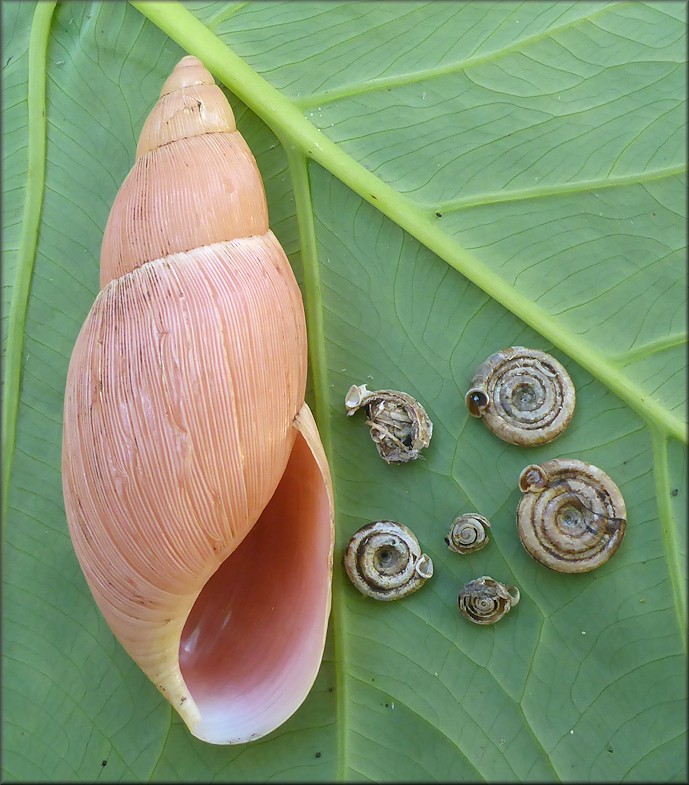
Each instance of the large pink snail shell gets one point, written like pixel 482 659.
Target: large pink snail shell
pixel 196 487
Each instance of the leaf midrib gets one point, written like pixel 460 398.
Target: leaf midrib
pixel 292 127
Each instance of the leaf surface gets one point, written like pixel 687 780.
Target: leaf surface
pixel 448 179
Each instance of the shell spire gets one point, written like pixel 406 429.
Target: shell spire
pixel 196 487
pixel 195 181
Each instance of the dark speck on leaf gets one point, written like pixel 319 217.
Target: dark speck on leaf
pixel 440 215
pixel 317 755
pixel 674 492
pixel 331 689
pixel 104 763
pixel 609 749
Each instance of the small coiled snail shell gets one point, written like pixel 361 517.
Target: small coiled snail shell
pixel 485 600
pixel 572 516
pixel 384 561
pixel 400 426
pixel 468 533
pixel 524 396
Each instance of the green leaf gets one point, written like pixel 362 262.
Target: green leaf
pixel 448 179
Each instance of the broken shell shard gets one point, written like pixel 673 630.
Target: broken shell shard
pixel 196 488
pixel 400 426
pixel 486 601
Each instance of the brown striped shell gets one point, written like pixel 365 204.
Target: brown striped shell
pixel 468 533
pixel 384 560
pixel 524 396
pixel 572 517
pixel 485 600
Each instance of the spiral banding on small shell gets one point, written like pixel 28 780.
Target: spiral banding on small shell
pixel 468 533
pixel 384 561
pixel 524 396
pixel 485 600
pixel 400 426
pixel 572 517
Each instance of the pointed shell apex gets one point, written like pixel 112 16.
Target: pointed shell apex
pixel 189 71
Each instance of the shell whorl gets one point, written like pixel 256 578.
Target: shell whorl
pixel 486 601
pixel 384 560
pixel 468 533
pixel 572 517
pixel 190 104
pixel 196 486
pixel 524 396
pixel 195 181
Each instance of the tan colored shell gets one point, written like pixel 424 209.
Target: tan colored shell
pixel 400 426
pixel 468 533
pixel 384 561
pixel 572 517
pixel 196 488
pixel 524 396
pixel 485 600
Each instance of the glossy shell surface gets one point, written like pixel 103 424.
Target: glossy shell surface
pixel 196 488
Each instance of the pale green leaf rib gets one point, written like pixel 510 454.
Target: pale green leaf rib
pixel 298 168
pixel 651 347
pixel 312 293
pixel 384 83
pixel 668 530
pixel 33 203
pixel 288 122
pixel 538 192
pixel 224 14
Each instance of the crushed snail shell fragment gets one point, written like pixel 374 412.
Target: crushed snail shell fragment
pixel 572 517
pixel 524 396
pixel 485 600
pixel 384 561
pixel 468 533
pixel 196 488
pixel 400 426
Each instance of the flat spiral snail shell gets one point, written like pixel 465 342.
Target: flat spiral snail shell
pixel 572 517
pixel 400 426
pixel 468 533
pixel 485 600
pixel 196 488
pixel 384 561
pixel 524 396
